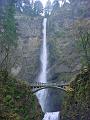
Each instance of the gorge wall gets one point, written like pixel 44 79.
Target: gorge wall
pixel 29 31
pixel 62 27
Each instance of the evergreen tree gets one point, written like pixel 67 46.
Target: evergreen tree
pixel 56 4
pixel 8 36
pixel 84 40
pixel 28 9
pixel 38 7
pixel 48 8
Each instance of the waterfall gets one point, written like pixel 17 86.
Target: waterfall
pixel 43 74
pixel 52 116
pixel 42 94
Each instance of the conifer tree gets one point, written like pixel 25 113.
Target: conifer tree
pixel 8 36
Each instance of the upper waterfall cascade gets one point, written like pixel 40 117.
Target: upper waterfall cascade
pixel 42 95
pixel 43 74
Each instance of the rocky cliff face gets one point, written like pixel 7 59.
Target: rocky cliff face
pixel 29 31
pixel 62 42
pixel 64 57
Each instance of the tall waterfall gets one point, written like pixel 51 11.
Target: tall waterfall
pixel 42 95
pixel 43 74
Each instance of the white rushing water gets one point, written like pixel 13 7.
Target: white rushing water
pixel 42 94
pixel 43 74
pixel 51 116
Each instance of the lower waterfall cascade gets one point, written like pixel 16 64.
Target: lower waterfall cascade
pixel 52 116
pixel 42 94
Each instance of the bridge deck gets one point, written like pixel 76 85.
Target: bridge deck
pixel 38 84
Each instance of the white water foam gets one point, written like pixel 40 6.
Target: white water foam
pixel 52 116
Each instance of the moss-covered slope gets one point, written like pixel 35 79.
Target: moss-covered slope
pixel 17 101
pixel 77 104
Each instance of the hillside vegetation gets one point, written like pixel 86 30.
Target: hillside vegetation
pixel 17 101
pixel 77 104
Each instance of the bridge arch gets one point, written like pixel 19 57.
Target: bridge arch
pixel 46 87
pixel 39 86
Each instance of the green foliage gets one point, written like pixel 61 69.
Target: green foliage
pixel 60 34
pixel 30 8
pixel 8 98
pixel 56 6
pixel 17 101
pixel 84 44
pixel 76 104
pixel 48 8
pixel 81 27
pixel 38 7
pixel 8 37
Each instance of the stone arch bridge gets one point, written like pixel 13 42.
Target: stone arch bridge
pixel 39 86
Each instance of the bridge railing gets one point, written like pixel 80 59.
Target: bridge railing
pixel 37 84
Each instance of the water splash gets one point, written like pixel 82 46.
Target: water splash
pixel 52 116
